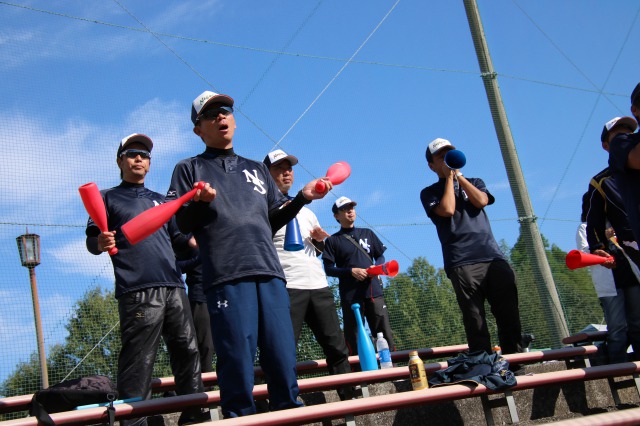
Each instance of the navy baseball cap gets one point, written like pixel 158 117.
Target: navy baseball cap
pixel 205 99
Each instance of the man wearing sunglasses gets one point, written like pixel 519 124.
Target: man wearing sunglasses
pixel 233 219
pixel 152 302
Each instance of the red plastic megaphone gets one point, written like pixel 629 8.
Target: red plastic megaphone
pixel 578 259
pixel 390 268
pixel 337 173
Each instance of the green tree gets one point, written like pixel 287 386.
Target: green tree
pixel 91 347
pixel 422 308
pixel 575 290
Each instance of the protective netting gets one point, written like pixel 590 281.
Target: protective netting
pixel 78 78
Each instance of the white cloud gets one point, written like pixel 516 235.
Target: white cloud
pixel 49 161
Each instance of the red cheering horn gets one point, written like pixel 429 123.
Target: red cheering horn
pixel 93 202
pixel 390 268
pixel 578 259
pixel 337 173
pixel 149 221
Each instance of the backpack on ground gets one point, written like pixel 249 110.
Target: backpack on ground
pixel 70 394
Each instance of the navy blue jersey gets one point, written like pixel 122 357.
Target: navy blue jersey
pixel 604 203
pixel 627 180
pixel 151 262
pixel 233 231
pixel 342 253
pixel 188 260
pixel 466 237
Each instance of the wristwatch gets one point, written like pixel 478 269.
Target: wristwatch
pixel 458 174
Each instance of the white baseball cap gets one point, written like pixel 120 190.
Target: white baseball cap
pixel 132 138
pixel 628 122
pixel 207 98
pixel 435 146
pixel 274 157
pixel 341 202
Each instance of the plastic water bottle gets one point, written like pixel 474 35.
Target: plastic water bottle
pixel 383 352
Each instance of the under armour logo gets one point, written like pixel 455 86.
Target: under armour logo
pixel 365 245
pixel 224 304
pixel 253 178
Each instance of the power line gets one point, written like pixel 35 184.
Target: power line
pixel 301 54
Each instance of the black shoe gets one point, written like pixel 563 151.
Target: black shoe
pixel 192 417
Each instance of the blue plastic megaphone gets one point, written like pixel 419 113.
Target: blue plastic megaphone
pixel 455 159
pixel 292 237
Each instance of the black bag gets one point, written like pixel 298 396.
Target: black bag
pixel 70 394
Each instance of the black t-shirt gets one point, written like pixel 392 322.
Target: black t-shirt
pixel 342 253
pixel 233 231
pixel 627 180
pixel 466 237
pixel 151 262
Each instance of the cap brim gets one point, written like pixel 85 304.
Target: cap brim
pixel 292 159
pixel 220 99
pixel 139 138
pixel 628 121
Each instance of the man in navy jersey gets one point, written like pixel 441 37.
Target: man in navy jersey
pixel 604 208
pixel 472 259
pixel 233 219
pixel 347 254
pixel 152 302
pixel 624 161
pixel 310 296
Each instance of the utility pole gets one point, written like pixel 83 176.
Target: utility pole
pixel 526 217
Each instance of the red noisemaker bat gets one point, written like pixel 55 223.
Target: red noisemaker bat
pixel 390 268
pixel 149 221
pixel 93 202
pixel 577 259
pixel 337 173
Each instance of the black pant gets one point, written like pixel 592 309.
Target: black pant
pixel 145 316
pixel 495 282
pixel 377 315
pixel 202 324
pixel 317 308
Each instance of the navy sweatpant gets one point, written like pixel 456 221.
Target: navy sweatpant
pixel 246 314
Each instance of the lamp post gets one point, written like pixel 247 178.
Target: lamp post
pixel 29 249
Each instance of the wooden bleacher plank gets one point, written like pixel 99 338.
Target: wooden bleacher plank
pixel 585 337
pixel 622 417
pixel 178 403
pixel 427 396
pixel 210 379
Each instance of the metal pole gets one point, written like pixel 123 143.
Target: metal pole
pixel 527 219
pixel 36 314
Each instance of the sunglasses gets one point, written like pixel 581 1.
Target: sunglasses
pixel 133 153
pixel 212 113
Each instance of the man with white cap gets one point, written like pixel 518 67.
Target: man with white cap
pixel 472 259
pixel 233 219
pixel 152 301
pixel 624 160
pixel 312 300
pixel 347 255
pixel 604 208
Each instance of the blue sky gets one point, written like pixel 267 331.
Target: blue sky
pixel 370 83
